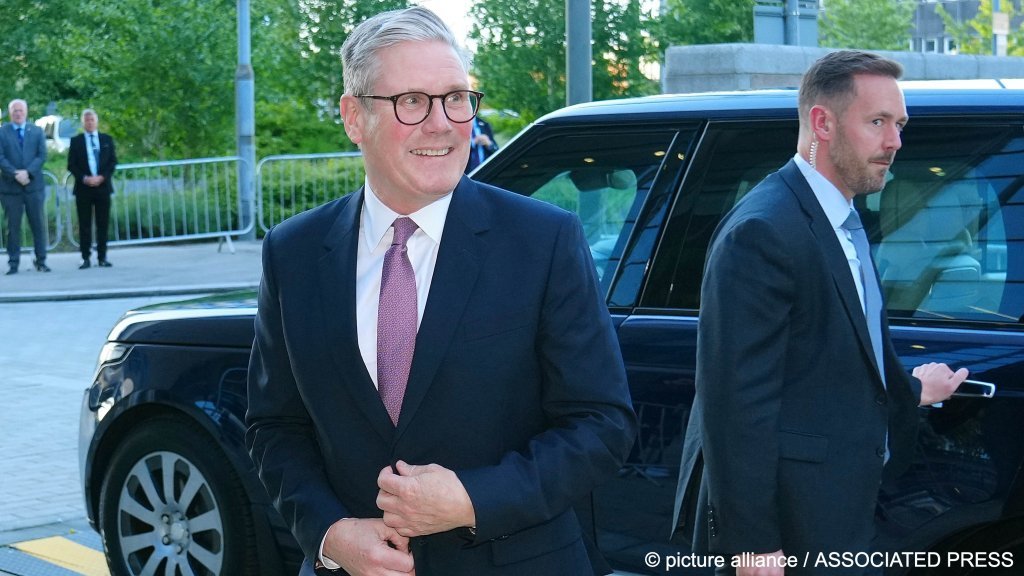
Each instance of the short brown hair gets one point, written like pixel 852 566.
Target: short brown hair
pixel 830 78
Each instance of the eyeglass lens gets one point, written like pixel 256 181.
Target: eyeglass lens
pixel 413 107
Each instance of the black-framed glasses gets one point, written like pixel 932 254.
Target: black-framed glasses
pixel 412 108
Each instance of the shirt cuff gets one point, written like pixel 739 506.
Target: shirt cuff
pixel 327 562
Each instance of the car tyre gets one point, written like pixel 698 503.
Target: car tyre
pixel 170 503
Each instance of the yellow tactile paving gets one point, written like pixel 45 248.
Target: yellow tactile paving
pixel 66 554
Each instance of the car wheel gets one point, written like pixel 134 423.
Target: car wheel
pixel 171 504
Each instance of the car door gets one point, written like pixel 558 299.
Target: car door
pixel 634 512
pixel 948 239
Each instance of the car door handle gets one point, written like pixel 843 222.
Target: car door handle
pixel 975 389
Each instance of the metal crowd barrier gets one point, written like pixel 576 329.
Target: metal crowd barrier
pixel 292 183
pixel 171 201
pixel 196 199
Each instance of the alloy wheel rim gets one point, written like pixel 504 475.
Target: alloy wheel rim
pixel 169 521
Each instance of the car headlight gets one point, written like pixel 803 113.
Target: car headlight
pixel 112 352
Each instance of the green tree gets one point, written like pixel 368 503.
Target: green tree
pixel 867 24
pixel 685 22
pixel 520 58
pixel 292 114
pixel 975 36
pixel 160 71
pixel 324 26
pixel 33 63
pixel 621 47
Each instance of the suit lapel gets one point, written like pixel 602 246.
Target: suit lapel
pixel 835 259
pixel 455 274
pixel 336 274
pixel 19 151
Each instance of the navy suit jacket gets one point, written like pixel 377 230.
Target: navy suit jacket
pixel 791 415
pixel 517 383
pixel 31 155
pixel 78 163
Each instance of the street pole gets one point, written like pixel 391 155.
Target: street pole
pixel 792 23
pixel 578 53
pixel 1000 28
pixel 245 125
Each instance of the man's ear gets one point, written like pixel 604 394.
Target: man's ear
pixel 822 122
pixel 353 116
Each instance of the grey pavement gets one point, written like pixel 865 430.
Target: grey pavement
pixel 58 323
pixel 194 268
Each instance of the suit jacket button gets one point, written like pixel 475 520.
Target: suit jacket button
pixel 880 399
pixel 880 452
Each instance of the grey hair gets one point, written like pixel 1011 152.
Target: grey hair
pixel 89 111
pixel 359 54
pixel 830 79
pixel 16 101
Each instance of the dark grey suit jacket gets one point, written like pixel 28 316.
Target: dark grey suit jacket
pixel 28 156
pixel 791 415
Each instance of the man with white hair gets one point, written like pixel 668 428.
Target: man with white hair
pixel 92 161
pixel 22 188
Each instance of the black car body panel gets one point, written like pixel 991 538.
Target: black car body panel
pixel 650 179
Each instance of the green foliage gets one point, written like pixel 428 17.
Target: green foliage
pixel 31 53
pixel 162 87
pixel 324 26
pixel 621 46
pixel 292 187
pixel 686 22
pixel 867 24
pixel 505 126
pixel 975 36
pixel 521 45
pixel 294 127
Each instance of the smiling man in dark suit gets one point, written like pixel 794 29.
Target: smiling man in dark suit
pixel 22 188
pixel 802 405
pixel 435 379
pixel 92 161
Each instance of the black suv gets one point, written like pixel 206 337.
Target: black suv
pixel 167 479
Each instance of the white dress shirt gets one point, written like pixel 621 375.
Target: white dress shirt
pixel 92 154
pixel 837 209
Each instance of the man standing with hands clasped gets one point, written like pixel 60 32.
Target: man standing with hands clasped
pixel 92 161
pixel 435 379
pixel 802 405
pixel 22 188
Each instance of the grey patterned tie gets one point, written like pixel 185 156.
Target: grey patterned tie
pixel 868 279
pixel 396 320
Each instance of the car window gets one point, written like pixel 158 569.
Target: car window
pixel 605 178
pixel 732 159
pixel 947 236
pixel 947 231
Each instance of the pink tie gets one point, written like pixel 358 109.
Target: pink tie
pixel 396 320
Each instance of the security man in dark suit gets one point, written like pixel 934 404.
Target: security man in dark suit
pixel 22 188
pixel 482 144
pixel 435 379
pixel 802 405
pixel 92 160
